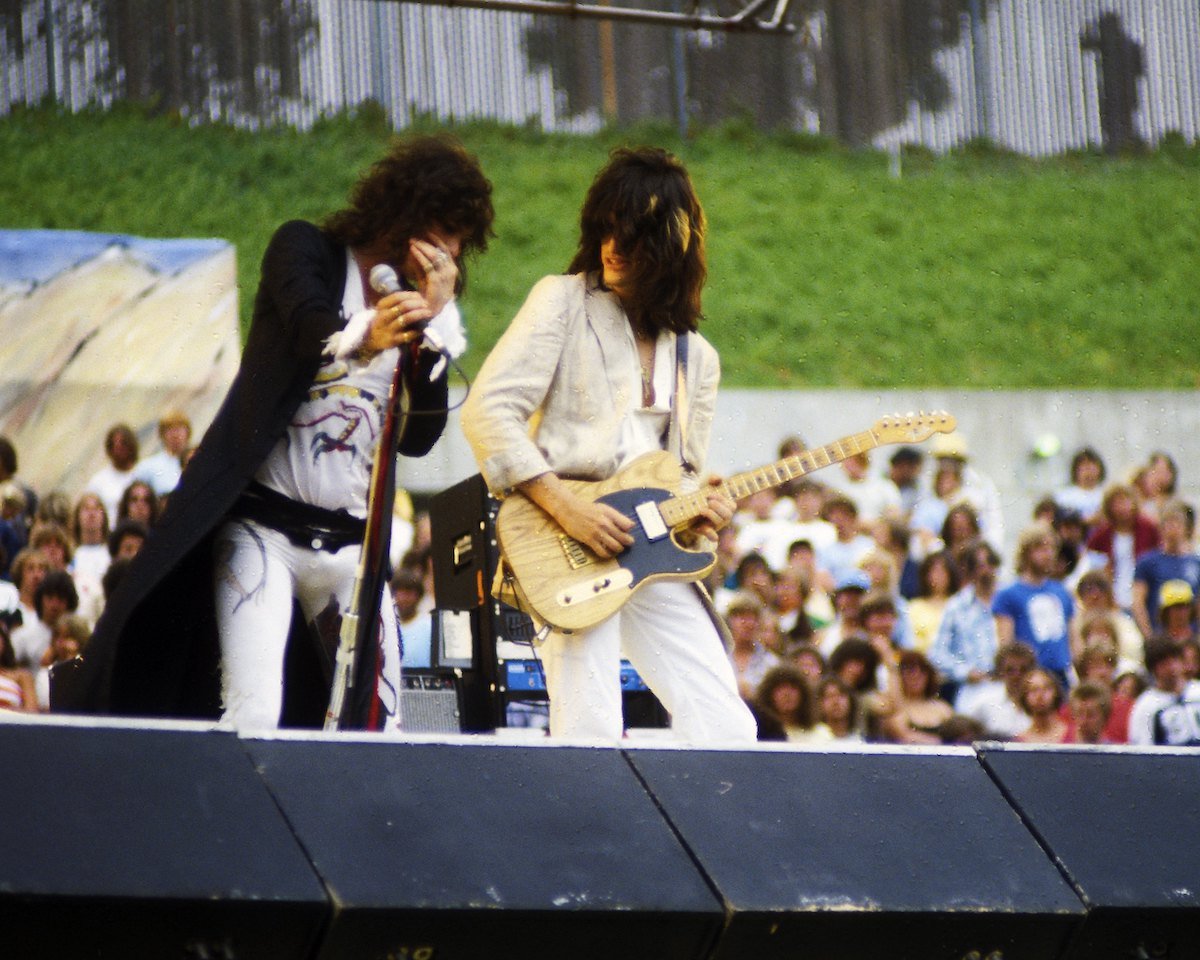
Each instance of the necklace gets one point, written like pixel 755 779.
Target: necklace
pixel 646 358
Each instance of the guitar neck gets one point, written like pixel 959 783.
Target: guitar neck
pixel 682 510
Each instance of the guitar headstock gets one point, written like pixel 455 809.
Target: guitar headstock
pixel 913 427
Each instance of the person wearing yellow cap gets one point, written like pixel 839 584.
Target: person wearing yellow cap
pixel 1175 559
pixel 1177 611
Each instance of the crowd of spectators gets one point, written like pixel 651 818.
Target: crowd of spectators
pixel 876 603
pixel 870 601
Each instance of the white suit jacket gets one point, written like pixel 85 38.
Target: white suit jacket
pixel 553 392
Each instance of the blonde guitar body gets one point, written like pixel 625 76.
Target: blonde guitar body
pixel 566 585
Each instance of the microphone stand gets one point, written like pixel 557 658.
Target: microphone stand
pixel 353 700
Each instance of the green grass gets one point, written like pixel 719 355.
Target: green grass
pixel 978 269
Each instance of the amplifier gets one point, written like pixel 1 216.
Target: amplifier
pixel 431 701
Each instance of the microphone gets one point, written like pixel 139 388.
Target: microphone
pixel 383 280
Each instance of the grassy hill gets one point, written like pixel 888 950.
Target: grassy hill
pixel 827 269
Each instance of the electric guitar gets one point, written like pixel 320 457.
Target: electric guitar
pixel 567 585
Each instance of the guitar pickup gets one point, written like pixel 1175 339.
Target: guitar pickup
pixel 651 520
pixel 574 552
pixel 584 590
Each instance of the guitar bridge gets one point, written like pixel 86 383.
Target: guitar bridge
pixel 574 552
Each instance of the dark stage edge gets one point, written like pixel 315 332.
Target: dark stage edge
pixel 129 839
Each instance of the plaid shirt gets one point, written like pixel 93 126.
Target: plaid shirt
pixel 966 638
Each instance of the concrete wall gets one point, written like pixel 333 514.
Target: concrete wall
pixel 1001 429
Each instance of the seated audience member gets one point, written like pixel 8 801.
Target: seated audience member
pixel 162 470
pixel 808 660
pixel 121 448
pixel 1090 706
pixel 1175 559
pixel 1035 609
pixel 52 539
pixel 894 537
pixel 1095 596
pixel 845 553
pixel 881 568
pixel 12 532
pixel 1097 664
pixel 875 496
pixel 856 662
pixel 23 518
pixel 1101 629
pixel 838 710
pixel 1168 712
pixel 802 561
pixel 791 596
pixel 964 649
pixel 1131 684
pixel 1120 538
pixel 1041 699
pixel 139 502
pixel 937 582
pixel 54 597
pixel 1191 658
pixel 847 601
pixel 1157 483
pixel 961 731
pixel 753 575
pixel 126 539
pixel 750 658
pixel 760 532
pixel 90 530
pixel 29 567
pixel 54 507
pixel 1072 560
pixel 416 627
pixel 904 470
pixel 803 510
pixel 68 640
pixel 16 683
pixel 1085 492
pixel 960 527
pixel 786 695
pixel 1177 611
pixel 917 712
pixel 997 703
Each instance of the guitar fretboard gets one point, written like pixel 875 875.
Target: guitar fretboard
pixel 683 509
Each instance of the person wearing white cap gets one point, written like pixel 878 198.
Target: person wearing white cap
pixel 956 481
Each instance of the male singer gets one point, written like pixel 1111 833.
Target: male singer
pixel 268 518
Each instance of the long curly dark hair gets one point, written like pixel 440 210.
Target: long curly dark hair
pixel 423 182
pixel 644 199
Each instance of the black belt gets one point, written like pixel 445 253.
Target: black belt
pixel 303 524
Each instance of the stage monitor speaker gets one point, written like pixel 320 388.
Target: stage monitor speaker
pixel 131 843
pixel 457 851
pixel 1122 826
pixel 864 855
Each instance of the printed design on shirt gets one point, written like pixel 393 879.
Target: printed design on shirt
pixel 1047 619
pixel 345 410
pixel 225 550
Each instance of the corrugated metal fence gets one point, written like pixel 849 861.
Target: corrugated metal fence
pixel 1035 76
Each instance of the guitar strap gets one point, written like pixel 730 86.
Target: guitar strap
pixel 679 411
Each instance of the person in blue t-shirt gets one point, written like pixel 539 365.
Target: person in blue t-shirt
pixel 1035 608
pixel 1175 559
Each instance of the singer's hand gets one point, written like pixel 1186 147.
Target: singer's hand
pixel 439 279
pixel 400 318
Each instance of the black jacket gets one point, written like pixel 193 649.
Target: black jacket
pixel 155 649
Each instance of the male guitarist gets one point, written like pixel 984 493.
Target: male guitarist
pixel 269 515
pixel 598 367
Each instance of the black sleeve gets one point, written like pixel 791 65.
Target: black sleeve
pixel 427 409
